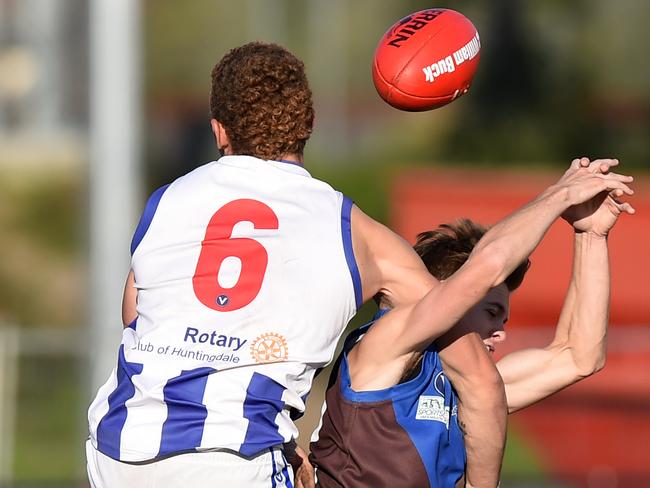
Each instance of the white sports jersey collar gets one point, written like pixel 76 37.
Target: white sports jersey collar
pixel 250 161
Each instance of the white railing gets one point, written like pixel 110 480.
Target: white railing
pixel 9 350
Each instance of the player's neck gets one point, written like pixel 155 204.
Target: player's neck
pixel 294 158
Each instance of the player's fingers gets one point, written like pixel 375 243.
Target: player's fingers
pixel 584 162
pixel 613 185
pixel 627 208
pixel 616 177
pixel 577 163
pixel 603 165
pixel 623 207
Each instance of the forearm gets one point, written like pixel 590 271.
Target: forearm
pixel 482 409
pixel 587 335
pixel 504 247
pixel 482 415
pixel 579 347
pixel 513 239
pixel 567 314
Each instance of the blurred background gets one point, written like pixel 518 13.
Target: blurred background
pixel 103 101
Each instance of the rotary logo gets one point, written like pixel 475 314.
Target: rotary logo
pixel 270 348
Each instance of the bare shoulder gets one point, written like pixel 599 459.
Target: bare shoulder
pixel 387 263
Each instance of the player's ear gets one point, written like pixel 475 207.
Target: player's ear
pixel 220 135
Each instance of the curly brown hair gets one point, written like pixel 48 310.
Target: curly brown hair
pixel 261 96
pixel 446 249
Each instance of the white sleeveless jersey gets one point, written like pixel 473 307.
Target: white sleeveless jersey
pixel 246 279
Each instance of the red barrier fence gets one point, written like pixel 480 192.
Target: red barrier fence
pixel 596 433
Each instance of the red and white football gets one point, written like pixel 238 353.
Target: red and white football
pixel 426 60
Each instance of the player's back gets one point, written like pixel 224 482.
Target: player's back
pixel 246 279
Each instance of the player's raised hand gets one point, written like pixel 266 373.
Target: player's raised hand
pixel 584 180
pixel 598 214
pixel 595 166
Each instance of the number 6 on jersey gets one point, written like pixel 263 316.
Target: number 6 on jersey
pixel 219 244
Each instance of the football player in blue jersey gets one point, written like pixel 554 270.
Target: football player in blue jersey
pixel 391 416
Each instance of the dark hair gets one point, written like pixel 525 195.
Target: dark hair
pixel 261 96
pixel 443 251
pixel 446 249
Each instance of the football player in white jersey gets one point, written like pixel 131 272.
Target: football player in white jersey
pixel 244 273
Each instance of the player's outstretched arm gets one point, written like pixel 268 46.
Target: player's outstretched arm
pixel 497 254
pixel 579 347
pixel 482 413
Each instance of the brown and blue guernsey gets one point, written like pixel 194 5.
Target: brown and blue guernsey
pixel 406 436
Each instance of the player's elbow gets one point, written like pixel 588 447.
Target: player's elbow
pixel 600 364
pixel 587 368
pixel 597 365
pixel 483 384
pixel 475 377
pixel 491 389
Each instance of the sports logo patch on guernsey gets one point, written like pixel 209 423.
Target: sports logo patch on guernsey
pixel 270 348
pixel 432 408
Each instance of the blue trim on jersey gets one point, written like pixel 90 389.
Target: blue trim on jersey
pixel 295 414
pixel 147 217
pixel 262 404
pixel 133 324
pixel 109 429
pixel 372 396
pixel 186 413
pixel 346 231
pixel 287 161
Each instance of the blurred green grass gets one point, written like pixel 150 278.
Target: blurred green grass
pixel 43 225
pixel 520 461
pixel 50 430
